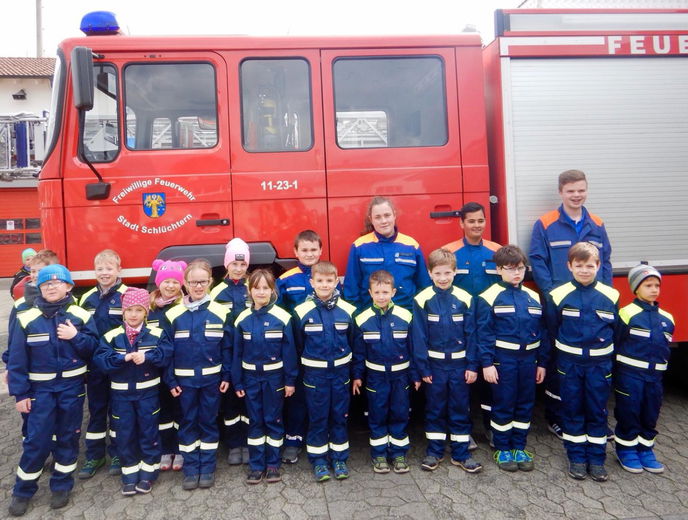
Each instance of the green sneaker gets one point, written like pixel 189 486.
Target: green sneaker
pixel 380 465
pixel 524 459
pixel 90 467
pixel 115 468
pixel 505 460
pixel 399 464
pixel 321 473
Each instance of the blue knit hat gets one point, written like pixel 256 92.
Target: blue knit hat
pixel 54 272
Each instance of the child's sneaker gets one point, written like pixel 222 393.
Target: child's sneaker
pixel 556 430
pixel 254 476
pixel 90 467
pixel 399 464
pixel 598 473
pixel 273 475
pixel 430 463
pixel 649 462
pixel 577 470
pixel 470 465
pixel 524 460
pixel 341 472
pixel 144 486
pixel 321 473
pixel 290 455
pixel 178 462
pixel 505 460
pixel 206 480
pixel 128 490
pixel 18 506
pixel 166 462
pixel 234 457
pixel 629 460
pixel 115 467
pixel 380 465
pixel 190 482
pixel 59 499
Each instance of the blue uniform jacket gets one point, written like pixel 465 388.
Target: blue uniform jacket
pixel 443 330
pixel 384 339
pixel 583 317
pixel 324 334
pixel 475 269
pixel 553 235
pixel 294 286
pixel 264 337
pixel 39 360
pixel 233 295
pixel 106 309
pixel 400 255
pixel 201 342
pixel 156 317
pixel 129 381
pixel 510 319
pixel 643 337
pixel 20 306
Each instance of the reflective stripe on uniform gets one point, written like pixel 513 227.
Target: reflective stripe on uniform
pixel 382 368
pixel 316 363
pixel 579 351
pixel 646 442
pixel 94 436
pixel 75 372
pixel 65 468
pixel 501 427
pixel 454 437
pixel 211 370
pixel 184 372
pixel 515 346
pixel 436 354
pixel 37 376
pixel 624 442
pixel 577 439
pixel 188 448
pixel 339 447
pixel 257 441
pixel 149 467
pixel 209 445
pixel 520 425
pixel 275 443
pixel 638 363
pixel 380 441
pixel 316 450
pixel 435 436
pixel 130 470
pixel 399 442
pixel 166 426
pixel 28 476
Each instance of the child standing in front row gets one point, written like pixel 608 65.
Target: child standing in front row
pixel 199 372
pixel 232 292
pixel 513 345
pixel 133 355
pixel 324 333
pixel 382 351
pixel 642 352
pixel 264 370
pixel 445 356
pixel 582 315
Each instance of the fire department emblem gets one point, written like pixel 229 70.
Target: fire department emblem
pixel 154 204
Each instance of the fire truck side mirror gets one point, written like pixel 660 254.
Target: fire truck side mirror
pixel 82 78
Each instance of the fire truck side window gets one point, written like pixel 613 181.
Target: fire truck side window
pixel 276 105
pixel 170 106
pixel 390 102
pixel 101 129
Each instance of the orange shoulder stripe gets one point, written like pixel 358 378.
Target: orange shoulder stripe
pixel 492 246
pixel 597 220
pixel 549 218
pixel 454 246
pixel 365 239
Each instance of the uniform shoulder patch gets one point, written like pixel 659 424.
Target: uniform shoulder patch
pixel 534 295
pixel 597 220
pixel 462 295
pixel 80 313
pixel 365 239
pixel 454 246
pixel 406 240
pixel 86 295
pixel 559 293
pixel 549 218
pixel 218 310
pixel 492 246
pixel 490 294
pixel 175 312
pixel 304 308
pixel 122 288
pixel 242 316
pixel 346 306
pixel 364 316
pixel 112 334
pixel 155 331
pixel 626 313
pixel 666 314
pixel 280 314
pixel 218 289
pixel 18 303
pixel 423 296
pixel 404 314
pixel 609 292
pixel 28 316
pixel 291 272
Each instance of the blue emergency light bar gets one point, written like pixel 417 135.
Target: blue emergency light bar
pixel 99 23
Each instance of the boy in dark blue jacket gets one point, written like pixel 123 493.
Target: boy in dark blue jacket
pixel 582 315
pixel 50 348
pixel 642 353
pixel 324 333
pixel 513 345
pixel 104 302
pixel 133 356
pixel 445 356
pixel 382 352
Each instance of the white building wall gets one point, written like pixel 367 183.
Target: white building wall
pixel 37 95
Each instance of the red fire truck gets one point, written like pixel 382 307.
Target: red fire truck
pixel 168 147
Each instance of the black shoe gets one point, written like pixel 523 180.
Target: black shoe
pixel 144 487
pixel 254 476
pixel 59 499
pixel 190 482
pixel 128 490
pixel 273 475
pixel 598 473
pixel 18 506
pixel 577 470
pixel 207 480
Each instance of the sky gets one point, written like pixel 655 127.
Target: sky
pixel 61 18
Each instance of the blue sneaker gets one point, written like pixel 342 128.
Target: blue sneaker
pixel 321 473
pixel 649 462
pixel 505 460
pixel 524 460
pixel 629 460
pixel 341 472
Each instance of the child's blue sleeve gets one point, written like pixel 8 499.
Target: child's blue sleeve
pixel 606 276
pixel 359 352
pixel 10 327
pixel 352 279
pixel 237 355
pixel 226 348
pixel 485 333
pixel 18 366
pixel 540 259
pixel 279 284
pixel 289 358
pixel 470 336
pixel 545 343
pixel 551 317
pixel 161 355
pixel 106 358
pixel 86 340
pixel 419 340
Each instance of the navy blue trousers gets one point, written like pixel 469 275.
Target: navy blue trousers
pixel 198 432
pixel 638 401
pixel 264 403
pixel 98 393
pixel 388 412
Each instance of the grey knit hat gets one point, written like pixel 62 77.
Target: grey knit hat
pixel 638 273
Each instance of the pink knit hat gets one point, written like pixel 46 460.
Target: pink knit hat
pixel 135 296
pixel 236 250
pixel 169 269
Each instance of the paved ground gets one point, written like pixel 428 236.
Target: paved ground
pixel 448 493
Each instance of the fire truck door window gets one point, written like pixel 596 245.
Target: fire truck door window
pixel 101 129
pixel 390 102
pixel 276 105
pixel 170 106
